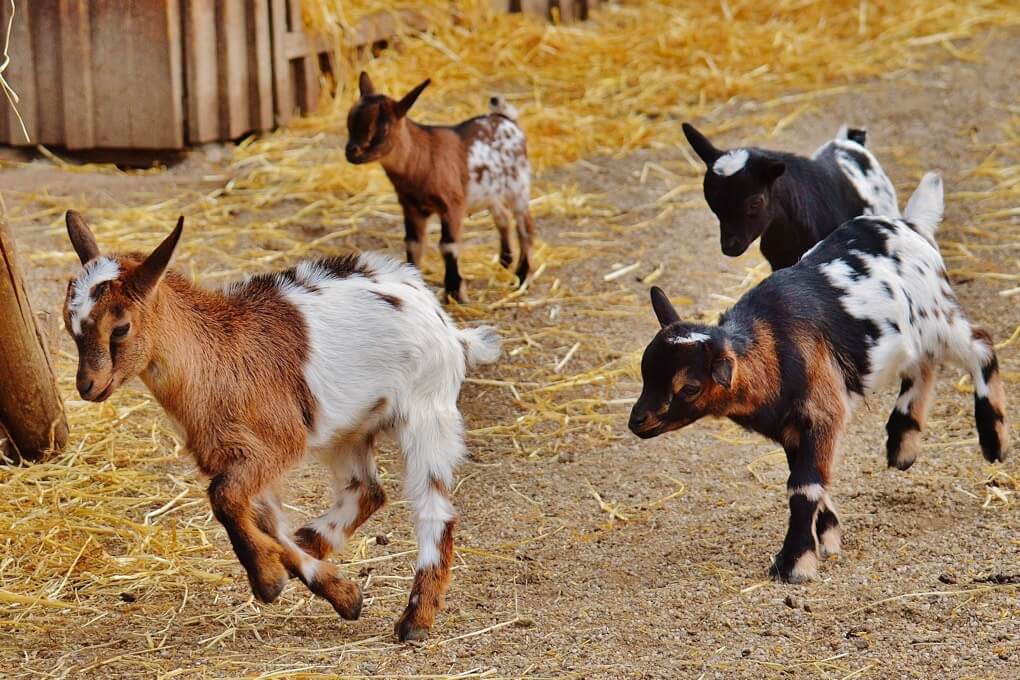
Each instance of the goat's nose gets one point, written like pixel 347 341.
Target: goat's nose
pixel 494 101
pixel 85 386
pixel 638 419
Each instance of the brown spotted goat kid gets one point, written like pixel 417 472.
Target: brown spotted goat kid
pixel 795 355
pixel 320 358
pixel 450 171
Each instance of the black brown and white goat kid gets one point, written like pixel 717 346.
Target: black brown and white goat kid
pixel 450 171
pixel 869 304
pixel 321 358
pixel 790 201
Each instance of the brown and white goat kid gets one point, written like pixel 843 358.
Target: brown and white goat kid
pixel 868 304
pixel 319 358
pixel 451 171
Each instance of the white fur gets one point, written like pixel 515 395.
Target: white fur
pixel 501 106
pixel 872 185
pixel 688 339
pixel 99 270
pixel 930 337
pixel 925 207
pixel 364 351
pixel 499 175
pixel 731 162
pixel 813 492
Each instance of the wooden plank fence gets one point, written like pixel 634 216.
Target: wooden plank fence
pixel 163 74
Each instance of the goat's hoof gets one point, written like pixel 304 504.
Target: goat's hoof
pixel 506 259
pixel 801 569
pixel 459 296
pixel 313 543
pixel 407 630
pixel 267 589
pixel 344 595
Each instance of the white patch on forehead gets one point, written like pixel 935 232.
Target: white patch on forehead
pixel 731 162
pixel 689 339
pixel 97 271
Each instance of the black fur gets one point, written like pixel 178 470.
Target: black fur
pixel 791 210
pixel 897 426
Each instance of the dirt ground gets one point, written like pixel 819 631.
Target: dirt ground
pixel 588 553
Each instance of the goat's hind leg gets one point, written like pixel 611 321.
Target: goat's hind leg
pixel 989 395
pixel 909 415
pixel 501 218
pixel 320 577
pixel 525 237
pixel 431 450
pixel 357 495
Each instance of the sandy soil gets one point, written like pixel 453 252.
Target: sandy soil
pixel 678 587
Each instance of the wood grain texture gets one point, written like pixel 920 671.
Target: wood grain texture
pixel 202 69
pixel 31 409
pixel 76 74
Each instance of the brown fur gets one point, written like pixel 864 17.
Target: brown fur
pixel 427 593
pixel 428 167
pixel 207 360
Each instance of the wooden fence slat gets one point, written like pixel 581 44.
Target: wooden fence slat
pixel 45 29
pixel 260 65
pixel 112 79
pixel 283 84
pixel 21 75
pixel 30 405
pixel 306 67
pixel 202 68
pixel 157 103
pixel 8 449
pixel 232 45
pixel 76 74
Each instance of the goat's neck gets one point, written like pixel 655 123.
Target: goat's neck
pixel 756 378
pixel 185 333
pixel 409 159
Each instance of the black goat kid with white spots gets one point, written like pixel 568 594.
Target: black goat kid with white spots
pixel 792 202
pixel 869 304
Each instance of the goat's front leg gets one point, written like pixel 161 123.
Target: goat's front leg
pixel 449 245
pixel 415 226
pixel 231 494
pixel 797 561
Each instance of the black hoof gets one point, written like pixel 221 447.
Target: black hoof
pixel 407 631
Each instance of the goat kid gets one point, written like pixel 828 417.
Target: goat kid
pixel 451 171
pixel 795 355
pixel 790 201
pixel 320 358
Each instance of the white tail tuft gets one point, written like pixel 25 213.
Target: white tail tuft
pixel 482 345
pixel 499 104
pixel 924 209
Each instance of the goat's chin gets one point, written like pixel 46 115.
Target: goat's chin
pixel 106 393
pixel 737 250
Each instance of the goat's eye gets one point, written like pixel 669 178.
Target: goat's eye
pixel 690 391
pixel 120 332
pixel 756 203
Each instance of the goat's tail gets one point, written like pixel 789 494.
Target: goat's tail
pixel 858 135
pixel 924 209
pixel 499 104
pixel 481 345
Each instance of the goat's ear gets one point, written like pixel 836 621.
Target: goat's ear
pixel 365 85
pixel 148 274
pixel 771 170
pixel 405 104
pixel 82 240
pixel 699 142
pixel 722 368
pixel 664 310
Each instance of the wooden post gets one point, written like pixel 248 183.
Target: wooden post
pixel 31 411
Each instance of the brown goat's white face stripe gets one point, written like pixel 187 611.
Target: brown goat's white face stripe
pixel 99 270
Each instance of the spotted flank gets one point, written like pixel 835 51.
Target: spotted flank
pixel 731 162
pixel 499 176
pixel 99 270
pixel 863 171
